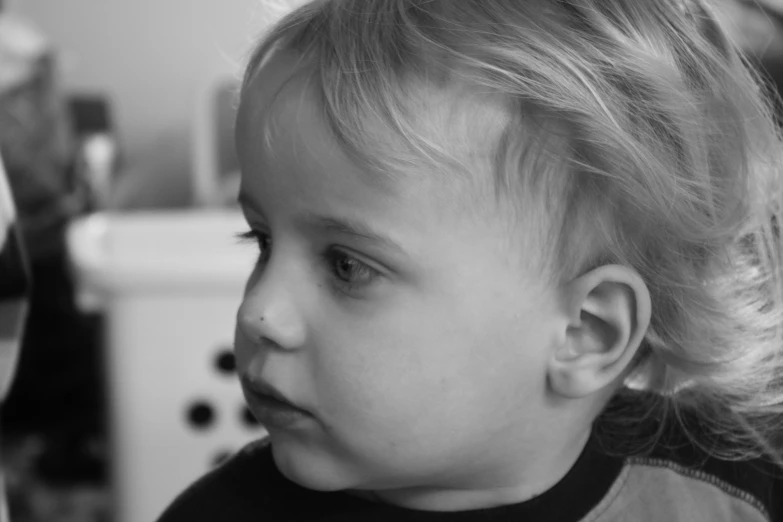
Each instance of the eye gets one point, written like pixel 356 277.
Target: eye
pixel 349 271
pixel 263 241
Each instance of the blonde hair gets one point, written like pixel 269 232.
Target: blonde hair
pixel 670 164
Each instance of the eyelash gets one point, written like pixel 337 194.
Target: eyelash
pixel 251 236
pixel 331 257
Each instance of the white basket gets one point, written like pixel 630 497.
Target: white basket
pixel 170 285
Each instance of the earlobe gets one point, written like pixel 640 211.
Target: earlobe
pixel 609 311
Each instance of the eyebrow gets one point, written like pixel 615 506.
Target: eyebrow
pixel 343 227
pixel 349 228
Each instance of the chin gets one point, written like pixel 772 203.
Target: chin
pixel 310 467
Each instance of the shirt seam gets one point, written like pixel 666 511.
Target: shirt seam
pixel 703 476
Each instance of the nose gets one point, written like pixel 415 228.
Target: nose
pixel 269 313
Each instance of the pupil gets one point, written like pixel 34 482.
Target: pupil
pixel 345 265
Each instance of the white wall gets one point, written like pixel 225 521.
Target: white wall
pixel 153 58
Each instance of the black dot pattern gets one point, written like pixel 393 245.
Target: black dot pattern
pixel 224 362
pixel 201 415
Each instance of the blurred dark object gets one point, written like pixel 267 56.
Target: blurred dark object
pixel 15 282
pixel 97 148
pixel 14 295
pixel 90 114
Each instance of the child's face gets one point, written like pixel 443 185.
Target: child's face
pixel 420 354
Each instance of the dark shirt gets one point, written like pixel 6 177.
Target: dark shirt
pixel 667 485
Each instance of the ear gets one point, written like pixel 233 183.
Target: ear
pixel 609 313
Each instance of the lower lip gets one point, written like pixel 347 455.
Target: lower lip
pixel 272 413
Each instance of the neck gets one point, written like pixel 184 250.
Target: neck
pixel 493 490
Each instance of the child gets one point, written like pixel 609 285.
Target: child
pixel 518 260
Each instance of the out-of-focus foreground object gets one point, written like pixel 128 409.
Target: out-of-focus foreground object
pixel 14 286
pixel 170 284
pixel 14 290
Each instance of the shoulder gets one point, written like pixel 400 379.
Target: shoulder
pixel 676 479
pixel 237 490
pixel 751 486
pixel 726 490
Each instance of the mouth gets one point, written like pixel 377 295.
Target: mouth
pixel 270 406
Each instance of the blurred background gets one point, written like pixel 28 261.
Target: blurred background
pixel 116 131
pixel 153 61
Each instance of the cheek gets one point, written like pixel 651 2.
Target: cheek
pixel 415 374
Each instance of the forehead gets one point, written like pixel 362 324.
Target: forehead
pixel 284 140
pixel 447 133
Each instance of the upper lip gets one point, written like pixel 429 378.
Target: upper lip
pixel 260 387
